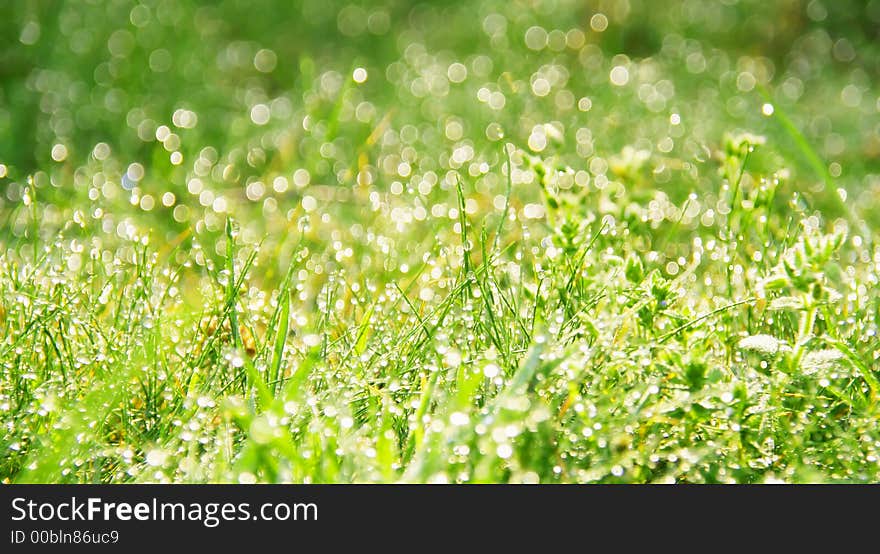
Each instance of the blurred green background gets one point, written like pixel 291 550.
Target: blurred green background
pixel 181 103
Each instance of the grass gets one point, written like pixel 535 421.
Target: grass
pixel 446 242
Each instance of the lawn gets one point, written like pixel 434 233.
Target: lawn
pixel 504 241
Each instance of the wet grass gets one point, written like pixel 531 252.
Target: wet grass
pixel 446 242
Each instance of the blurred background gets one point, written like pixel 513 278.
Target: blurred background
pixel 176 113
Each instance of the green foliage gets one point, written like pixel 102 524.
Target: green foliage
pixel 448 242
